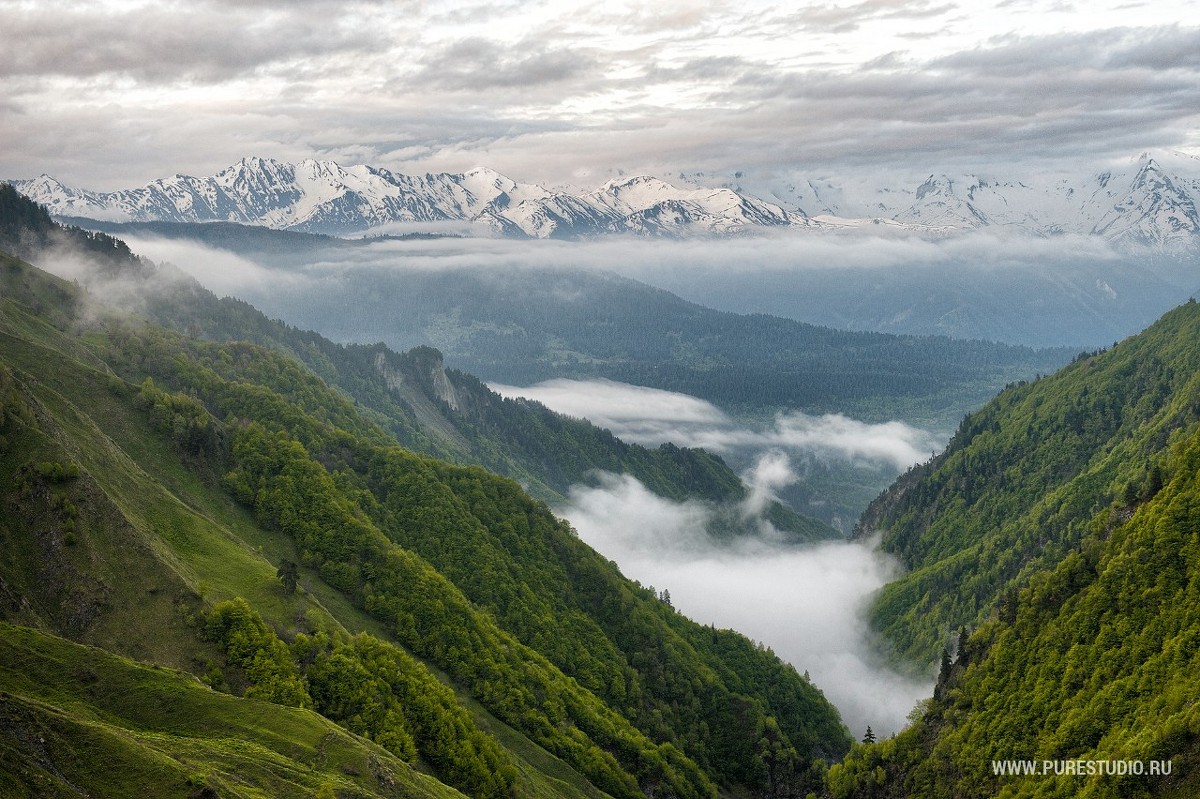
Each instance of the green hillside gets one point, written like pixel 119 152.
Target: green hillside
pixel 441 412
pixel 1095 661
pixel 1061 527
pixel 164 493
pixel 79 721
pixel 1019 484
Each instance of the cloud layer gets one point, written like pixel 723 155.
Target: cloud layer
pixel 112 94
pixel 651 416
pixel 993 284
pixel 806 604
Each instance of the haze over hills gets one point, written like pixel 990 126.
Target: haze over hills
pixel 442 412
pixel 1060 521
pixel 289 551
pixel 1152 201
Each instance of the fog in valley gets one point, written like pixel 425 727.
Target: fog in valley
pixel 650 416
pixel 996 285
pixel 806 603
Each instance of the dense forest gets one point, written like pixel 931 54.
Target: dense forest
pixel 1020 483
pixel 1053 561
pixel 289 552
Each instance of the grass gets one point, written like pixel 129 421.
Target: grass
pixel 156 542
pixel 81 721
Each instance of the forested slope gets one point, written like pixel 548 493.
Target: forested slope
pixel 1095 660
pixel 205 469
pixel 1017 486
pixel 426 407
pixel 1060 531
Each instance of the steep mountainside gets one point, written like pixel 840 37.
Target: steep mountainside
pixel 1072 544
pixel 1152 202
pixel 1020 483
pixel 286 549
pixel 444 413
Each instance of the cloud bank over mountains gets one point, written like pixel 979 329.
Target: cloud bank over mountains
pixel 576 92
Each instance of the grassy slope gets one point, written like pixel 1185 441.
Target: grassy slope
pixel 79 721
pixel 142 511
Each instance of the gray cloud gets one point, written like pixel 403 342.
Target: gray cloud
pixel 154 44
pixel 561 93
pixel 1020 97
pixel 480 64
pixel 828 18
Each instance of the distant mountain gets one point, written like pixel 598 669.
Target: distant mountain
pixel 1147 203
pixel 216 508
pixel 324 197
pixel 1151 201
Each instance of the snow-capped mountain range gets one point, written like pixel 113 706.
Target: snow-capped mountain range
pixel 1143 204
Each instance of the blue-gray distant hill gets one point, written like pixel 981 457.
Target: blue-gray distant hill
pixel 519 325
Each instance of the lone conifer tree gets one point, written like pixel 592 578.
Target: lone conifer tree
pixel 289 575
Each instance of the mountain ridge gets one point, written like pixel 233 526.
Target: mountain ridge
pixel 1053 560
pixel 100 407
pixel 1151 202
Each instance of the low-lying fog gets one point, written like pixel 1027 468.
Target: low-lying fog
pixel 806 603
pixel 989 284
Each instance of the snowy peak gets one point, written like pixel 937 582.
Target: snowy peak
pixel 1154 210
pixel 938 203
pixel 1152 200
pixel 656 207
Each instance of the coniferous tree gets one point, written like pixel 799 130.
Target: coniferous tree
pixel 289 575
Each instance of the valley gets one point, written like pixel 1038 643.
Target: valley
pixel 673 473
pixel 576 400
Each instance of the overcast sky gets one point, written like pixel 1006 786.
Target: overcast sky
pixel 114 94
